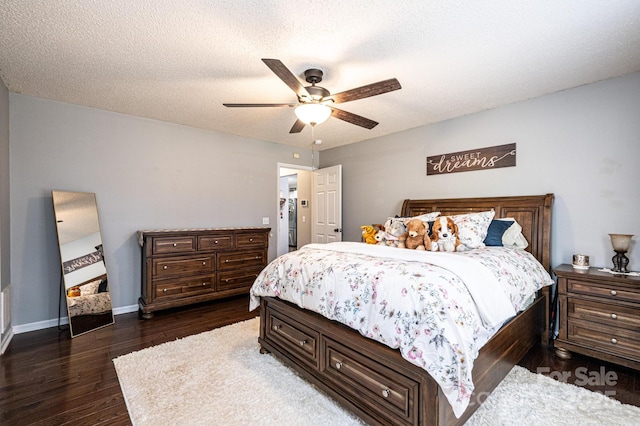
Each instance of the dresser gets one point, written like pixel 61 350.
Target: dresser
pixel 599 315
pixel 182 267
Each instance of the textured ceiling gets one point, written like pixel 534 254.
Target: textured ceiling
pixel 179 60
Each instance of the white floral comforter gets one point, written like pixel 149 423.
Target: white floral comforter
pixel 400 299
pixel 89 304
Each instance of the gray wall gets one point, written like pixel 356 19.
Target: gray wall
pixel 146 175
pixel 582 144
pixel 5 232
pixel 304 193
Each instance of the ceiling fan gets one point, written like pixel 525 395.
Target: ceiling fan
pixel 314 104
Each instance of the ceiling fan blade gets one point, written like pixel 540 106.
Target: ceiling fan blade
pixel 352 118
pixel 287 76
pixel 297 127
pixel 259 105
pixel 369 90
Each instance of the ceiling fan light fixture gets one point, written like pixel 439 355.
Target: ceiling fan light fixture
pixel 313 114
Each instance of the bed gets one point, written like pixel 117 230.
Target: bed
pixel 383 385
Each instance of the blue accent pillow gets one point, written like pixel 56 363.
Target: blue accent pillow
pixel 430 226
pixel 497 228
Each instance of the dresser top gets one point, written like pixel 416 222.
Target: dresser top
pixel 195 231
pixel 594 274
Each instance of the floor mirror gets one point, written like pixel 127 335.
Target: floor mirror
pixel 84 273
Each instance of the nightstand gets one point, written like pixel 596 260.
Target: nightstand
pixel 599 315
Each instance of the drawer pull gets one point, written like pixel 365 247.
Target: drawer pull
pixel 215 242
pixel 614 340
pixel 614 316
pixel 164 290
pixel 175 244
pixel 204 263
pixel 276 327
pixel 244 259
pixel 250 240
pixel 165 267
pixel 204 284
pixel 613 292
pixel 386 393
pixel 302 342
pixel 338 365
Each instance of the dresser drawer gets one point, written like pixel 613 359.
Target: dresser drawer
pixel 299 340
pixel 168 245
pixel 183 288
pixel 241 259
pixel 176 266
pixel 603 290
pixel 610 314
pixel 242 279
pixel 388 394
pixel 251 240
pixel 215 242
pixel 605 338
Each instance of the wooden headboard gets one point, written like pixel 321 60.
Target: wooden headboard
pixel 533 213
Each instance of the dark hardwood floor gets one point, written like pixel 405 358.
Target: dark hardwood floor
pixel 47 378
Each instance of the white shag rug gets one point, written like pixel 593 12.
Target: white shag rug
pixel 219 377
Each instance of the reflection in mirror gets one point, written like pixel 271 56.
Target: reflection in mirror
pixel 84 270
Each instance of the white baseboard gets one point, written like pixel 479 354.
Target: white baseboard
pixel 5 309
pixel 125 309
pixel 39 325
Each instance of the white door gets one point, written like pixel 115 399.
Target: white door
pixel 327 205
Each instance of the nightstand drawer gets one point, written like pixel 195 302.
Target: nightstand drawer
pixel 603 290
pixel 605 313
pixel 610 339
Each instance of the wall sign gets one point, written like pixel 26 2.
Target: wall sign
pixel 491 157
pixel 81 262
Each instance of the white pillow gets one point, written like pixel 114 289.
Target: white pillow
pixel 513 237
pixel 427 217
pixel 472 227
pixel 89 288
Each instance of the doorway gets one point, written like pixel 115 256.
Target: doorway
pixel 294 212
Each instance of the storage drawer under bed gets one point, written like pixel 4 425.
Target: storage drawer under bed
pixel 299 340
pixel 387 394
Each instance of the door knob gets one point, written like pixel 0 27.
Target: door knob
pixel 337 230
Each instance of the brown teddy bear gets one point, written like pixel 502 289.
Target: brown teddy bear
pixel 416 237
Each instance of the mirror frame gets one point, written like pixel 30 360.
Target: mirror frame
pixel 83 270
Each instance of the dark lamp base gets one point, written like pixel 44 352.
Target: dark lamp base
pixel 620 262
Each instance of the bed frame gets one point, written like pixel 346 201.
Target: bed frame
pixel 374 381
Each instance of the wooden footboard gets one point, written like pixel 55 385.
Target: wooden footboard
pixel 373 380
